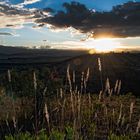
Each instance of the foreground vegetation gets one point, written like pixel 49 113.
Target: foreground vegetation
pixel 78 117
pixel 69 112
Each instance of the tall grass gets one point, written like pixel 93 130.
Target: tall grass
pixel 74 114
pixel 13 101
pixel 35 100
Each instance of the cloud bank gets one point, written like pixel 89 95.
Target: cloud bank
pixel 12 16
pixel 121 21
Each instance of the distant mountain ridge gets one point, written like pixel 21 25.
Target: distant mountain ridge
pixel 26 55
pixel 18 50
pixel 11 50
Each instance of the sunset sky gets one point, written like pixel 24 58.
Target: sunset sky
pixel 86 24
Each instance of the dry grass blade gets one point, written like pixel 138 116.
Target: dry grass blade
pixel 47 116
pixel 131 110
pixel 116 86
pixel 119 87
pixel 120 114
pixel 73 78
pixel 107 88
pixel 14 121
pixel 9 75
pixel 100 95
pixel 34 81
pixel 69 78
pixel 46 113
pixel 99 64
pixel 123 120
pixel 35 106
pixel 82 81
pixel 138 127
pixel 13 102
pixel 87 75
pixel 100 70
pixel 86 80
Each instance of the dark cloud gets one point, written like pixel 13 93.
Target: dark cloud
pixel 118 31
pixel 48 10
pixel 74 15
pixel 122 21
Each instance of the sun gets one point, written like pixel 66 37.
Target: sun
pixel 103 45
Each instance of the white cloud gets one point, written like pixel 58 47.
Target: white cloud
pixel 14 21
pixel 4 1
pixel 16 17
pixel 26 2
pixel 69 45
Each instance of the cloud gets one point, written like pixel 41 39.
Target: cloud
pixel 5 34
pixel 16 17
pixel 122 21
pixel 12 16
pixel 27 2
pixel 9 34
pixel 69 45
pixel 4 1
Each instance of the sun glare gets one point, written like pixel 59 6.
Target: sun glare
pixel 103 45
